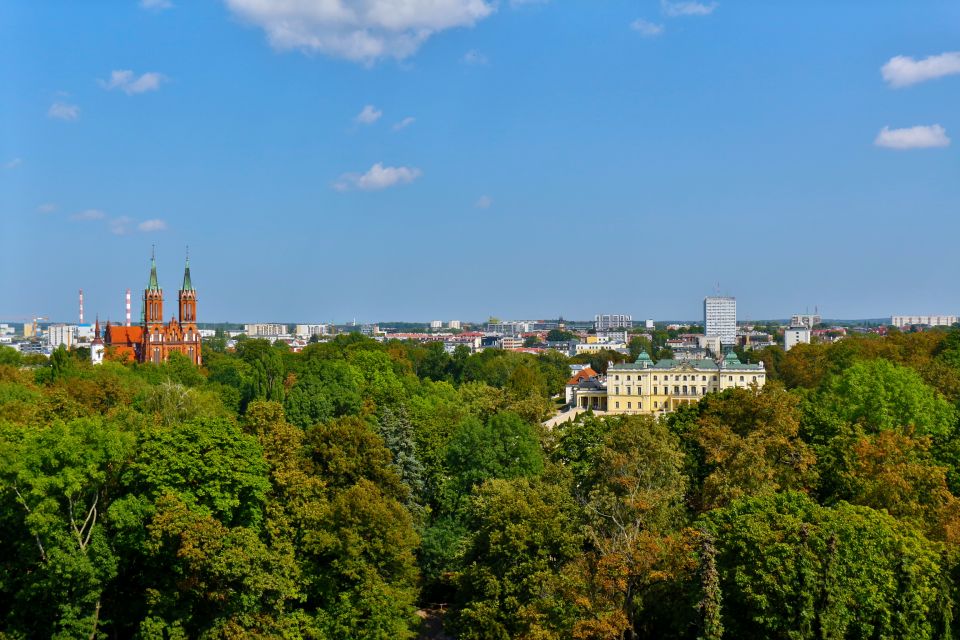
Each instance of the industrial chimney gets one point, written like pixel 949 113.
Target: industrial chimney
pixel 128 307
pixel 81 306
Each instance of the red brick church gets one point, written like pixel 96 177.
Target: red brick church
pixel 154 340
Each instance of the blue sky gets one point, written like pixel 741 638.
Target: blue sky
pixel 525 159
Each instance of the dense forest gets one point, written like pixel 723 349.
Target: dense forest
pixel 343 491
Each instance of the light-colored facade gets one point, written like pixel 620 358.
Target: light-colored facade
pixel 61 334
pixel 720 318
pixel 307 330
pixel 454 324
pixel 436 324
pixel 602 322
pixel 263 329
pixel 930 321
pixel 792 336
pixel 652 388
pixel 593 347
pixel 808 320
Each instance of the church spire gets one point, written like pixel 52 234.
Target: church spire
pixel 154 285
pixel 187 284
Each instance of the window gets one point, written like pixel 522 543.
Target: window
pixel 730 378
pixel 676 390
pixel 654 377
pixel 655 404
pixel 703 391
pixel 704 378
pixel 628 390
pixel 618 405
pixel 616 377
pixel 628 377
pixel 741 378
pixel 754 378
pixel 616 390
pixel 629 405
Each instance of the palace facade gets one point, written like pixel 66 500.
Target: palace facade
pixel 646 387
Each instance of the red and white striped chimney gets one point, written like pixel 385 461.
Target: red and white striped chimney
pixel 128 307
pixel 81 306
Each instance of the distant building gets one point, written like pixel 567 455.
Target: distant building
pixel 64 335
pixel 808 320
pixel 612 321
pixel 454 324
pixel 264 329
pixel 929 321
pixel 720 318
pixel 308 330
pixel 648 324
pixel 797 334
pixel 436 324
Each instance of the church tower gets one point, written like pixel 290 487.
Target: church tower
pixel 187 299
pixel 153 331
pixel 96 347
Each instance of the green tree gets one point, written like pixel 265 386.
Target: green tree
pixel 56 484
pixel 792 569
pixel 513 586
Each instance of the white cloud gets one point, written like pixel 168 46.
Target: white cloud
pixel 368 115
pixel 152 225
pixel 903 71
pixel 47 207
pixel 403 124
pixel 13 164
pixel 687 8
pixel 63 111
pixel 130 84
pixel 362 31
pixel 120 226
pixel 89 214
pixel 646 28
pixel 474 57
pixel 483 202
pixel 378 177
pixel 157 5
pixel 919 137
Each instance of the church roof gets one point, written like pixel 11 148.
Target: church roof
pixel 120 335
pixel 187 284
pixel 153 285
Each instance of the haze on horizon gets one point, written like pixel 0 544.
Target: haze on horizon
pixel 526 159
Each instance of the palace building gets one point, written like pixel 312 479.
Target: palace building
pixel 646 387
pixel 154 339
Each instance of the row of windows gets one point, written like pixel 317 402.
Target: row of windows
pixel 616 390
pixel 678 378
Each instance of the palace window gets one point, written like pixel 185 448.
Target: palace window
pixel 618 405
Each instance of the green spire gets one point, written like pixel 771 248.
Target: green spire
pixel 187 285
pixel 153 285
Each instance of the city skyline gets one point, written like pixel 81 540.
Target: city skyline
pixel 524 160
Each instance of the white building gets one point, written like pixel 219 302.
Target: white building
pixel 61 334
pixel 720 318
pixel 797 334
pixel 6 333
pixel 454 324
pixel 308 330
pixel 602 322
pixel 930 321
pixel 264 329
pixel 648 324
pixel 808 320
pixel 436 324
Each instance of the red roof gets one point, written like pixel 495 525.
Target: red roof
pixel 118 335
pixel 583 374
